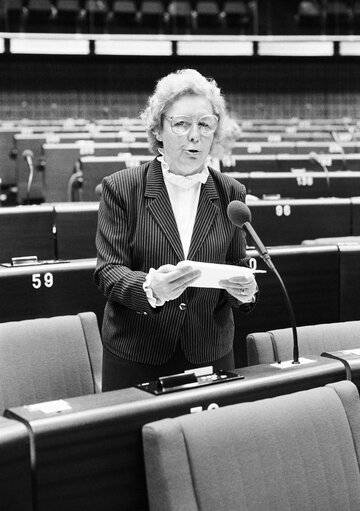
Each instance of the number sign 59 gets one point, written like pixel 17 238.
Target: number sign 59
pixel 39 279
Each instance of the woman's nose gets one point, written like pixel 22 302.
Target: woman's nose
pixel 194 133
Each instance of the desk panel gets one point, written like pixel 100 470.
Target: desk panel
pixel 26 231
pixel 50 290
pixel 76 224
pixel 302 185
pixel 289 222
pixel 349 281
pixel 89 456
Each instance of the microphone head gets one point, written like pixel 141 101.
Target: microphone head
pixel 238 213
pixel 313 156
pixel 27 153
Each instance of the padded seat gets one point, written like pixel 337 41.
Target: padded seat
pixel 296 452
pixel 123 17
pixel 310 17
pixel 277 345
pixel 152 16
pixel 181 17
pixel 49 358
pixel 208 16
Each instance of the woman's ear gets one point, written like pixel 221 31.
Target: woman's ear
pixel 158 136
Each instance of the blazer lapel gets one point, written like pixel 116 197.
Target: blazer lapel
pixel 160 207
pixel 206 214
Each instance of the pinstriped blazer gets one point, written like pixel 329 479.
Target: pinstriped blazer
pixel 137 231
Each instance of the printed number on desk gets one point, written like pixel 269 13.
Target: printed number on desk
pixel 38 279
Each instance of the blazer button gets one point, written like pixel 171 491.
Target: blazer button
pixel 182 306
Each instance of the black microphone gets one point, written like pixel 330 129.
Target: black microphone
pixel 240 215
pixel 28 156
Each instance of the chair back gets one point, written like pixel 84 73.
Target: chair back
pixel 277 345
pixel 45 359
pixel 297 452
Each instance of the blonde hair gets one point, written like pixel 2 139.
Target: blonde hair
pixel 169 89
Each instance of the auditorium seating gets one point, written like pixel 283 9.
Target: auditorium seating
pixel 54 157
pixel 94 168
pixel 45 359
pixel 88 454
pixel 282 162
pixel 276 345
pixel 60 163
pixel 322 283
pixel 300 184
pixel 299 451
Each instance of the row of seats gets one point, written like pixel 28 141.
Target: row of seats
pixel 62 167
pixel 101 449
pixel 156 16
pixel 67 230
pixel 257 137
pixel 127 16
pixel 328 16
pixel 322 282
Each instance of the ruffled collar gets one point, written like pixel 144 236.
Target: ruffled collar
pixel 185 182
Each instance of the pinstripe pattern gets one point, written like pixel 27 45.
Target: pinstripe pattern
pixel 136 231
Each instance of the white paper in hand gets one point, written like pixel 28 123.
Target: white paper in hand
pixel 212 273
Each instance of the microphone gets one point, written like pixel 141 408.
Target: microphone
pixel 240 215
pixel 337 140
pixel 28 156
pixel 315 157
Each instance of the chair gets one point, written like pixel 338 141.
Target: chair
pixel 96 12
pixel 45 359
pixel 68 15
pixel 152 16
pixel 208 16
pixel 15 15
pixel 293 452
pixel 277 345
pixel 40 15
pixel 310 17
pixel 238 17
pixel 338 16
pixel 123 17
pixel 181 18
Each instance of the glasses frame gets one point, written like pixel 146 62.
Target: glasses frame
pixel 170 119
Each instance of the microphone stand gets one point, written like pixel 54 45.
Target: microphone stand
pixel 267 259
pixel 291 314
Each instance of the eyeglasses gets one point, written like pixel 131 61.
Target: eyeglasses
pixel 181 124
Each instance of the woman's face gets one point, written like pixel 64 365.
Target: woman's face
pixel 186 153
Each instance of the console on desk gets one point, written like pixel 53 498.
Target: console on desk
pixel 49 289
pixel 87 451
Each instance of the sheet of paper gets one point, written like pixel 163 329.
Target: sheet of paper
pixel 212 273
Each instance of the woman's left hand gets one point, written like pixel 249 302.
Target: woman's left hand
pixel 241 288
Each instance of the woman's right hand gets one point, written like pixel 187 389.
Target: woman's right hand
pixel 169 282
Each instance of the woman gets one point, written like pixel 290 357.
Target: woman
pixel 152 217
